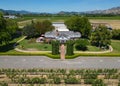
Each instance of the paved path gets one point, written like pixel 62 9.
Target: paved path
pixel 45 62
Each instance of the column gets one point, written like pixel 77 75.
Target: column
pixel 62 52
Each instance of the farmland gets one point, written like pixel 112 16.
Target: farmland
pixel 112 21
pixel 115 24
pixel 62 77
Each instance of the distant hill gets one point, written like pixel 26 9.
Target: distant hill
pixel 114 10
pixel 14 12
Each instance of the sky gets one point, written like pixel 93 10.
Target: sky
pixel 52 6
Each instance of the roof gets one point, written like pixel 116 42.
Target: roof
pixel 63 35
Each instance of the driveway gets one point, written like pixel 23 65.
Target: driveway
pixel 27 62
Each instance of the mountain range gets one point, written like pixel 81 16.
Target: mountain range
pixel 114 10
pixel 16 12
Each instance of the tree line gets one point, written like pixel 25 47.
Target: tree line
pixel 36 29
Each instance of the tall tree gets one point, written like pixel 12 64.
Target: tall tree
pixel 29 31
pixel 43 26
pixel 7 28
pixel 80 24
pixel 37 28
pixel 101 37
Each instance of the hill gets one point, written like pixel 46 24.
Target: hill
pixel 15 12
pixel 114 10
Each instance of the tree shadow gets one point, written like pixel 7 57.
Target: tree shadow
pixel 7 47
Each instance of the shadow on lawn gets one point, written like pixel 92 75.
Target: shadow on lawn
pixel 7 47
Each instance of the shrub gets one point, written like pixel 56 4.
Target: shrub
pixel 70 45
pixel 71 80
pixel 42 81
pixel 3 84
pixel 119 83
pixel 55 47
pixel 88 81
pixel 35 80
pixel 116 34
pixel 90 76
pixel 81 44
pixel 98 82
pixel 57 80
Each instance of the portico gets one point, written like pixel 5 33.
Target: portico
pixel 62 34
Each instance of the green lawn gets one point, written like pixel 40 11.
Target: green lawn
pixel 116 46
pixel 93 48
pixel 32 45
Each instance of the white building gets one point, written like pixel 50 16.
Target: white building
pixel 60 26
pixel 61 33
pixel 10 16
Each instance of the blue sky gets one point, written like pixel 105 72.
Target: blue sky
pixel 58 5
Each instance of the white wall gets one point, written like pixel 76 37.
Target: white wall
pixel 60 26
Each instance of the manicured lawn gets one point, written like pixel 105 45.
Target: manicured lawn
pixel 93 48
pixel 116 46
pixel 31 44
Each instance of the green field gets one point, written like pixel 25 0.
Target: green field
pixel 114 22
pixel 61 18
pixel 106 18
pixel 32 45
pixel 53 18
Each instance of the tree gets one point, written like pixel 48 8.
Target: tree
pixel 101 37
pixel 37 28
pixel 29 31
pixel 1 14
pixel 7 28
pixel 11 25
pixel 43 26
pixel 80 24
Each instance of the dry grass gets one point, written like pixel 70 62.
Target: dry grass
pixel 114 23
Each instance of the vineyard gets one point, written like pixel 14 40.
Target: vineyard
pixel 62 77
